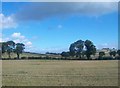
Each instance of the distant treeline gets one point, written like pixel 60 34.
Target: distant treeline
pixel 79 50
pixel 62 58
pixel 53 53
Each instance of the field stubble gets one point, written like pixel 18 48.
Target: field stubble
pixel 59 73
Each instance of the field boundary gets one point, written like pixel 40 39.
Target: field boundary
pixel 60 87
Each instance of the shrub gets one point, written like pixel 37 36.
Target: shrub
pixel 117 58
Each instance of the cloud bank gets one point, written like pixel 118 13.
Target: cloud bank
pixel 107 45
pixel 17 37
pixel 44 10
pixel 7 22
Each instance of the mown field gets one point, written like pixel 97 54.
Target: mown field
pixel 59 73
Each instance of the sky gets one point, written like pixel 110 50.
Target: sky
pixel 53 26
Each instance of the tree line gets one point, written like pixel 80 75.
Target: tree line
pixel 81 48
pixel 10 46
pixel 78 49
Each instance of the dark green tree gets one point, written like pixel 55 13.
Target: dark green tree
pixel 4 47
pixel 10 47
pixel 76 48
pixel 72 50
pixel 90 48
pixel 83 53
pixel 113 53
pixel 101 54
pixel 79 45
pixel 118 52
pixel 65 54
pixel 94 50
pixel 19 49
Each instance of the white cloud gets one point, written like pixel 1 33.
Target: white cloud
pixel 29 44
pixel 18 35
pixel 107 45
pixel 7 22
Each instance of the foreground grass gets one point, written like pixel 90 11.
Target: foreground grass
pixel 59 73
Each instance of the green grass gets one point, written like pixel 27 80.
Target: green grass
pixel 59 73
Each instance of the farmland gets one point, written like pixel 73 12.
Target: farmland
pixel 59 73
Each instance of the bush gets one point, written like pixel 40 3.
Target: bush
pixel 65 54
pixel 108 58
pixel 105 58
pixel 24 58
pixel 117 58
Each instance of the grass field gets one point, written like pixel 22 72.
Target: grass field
pixel 59 73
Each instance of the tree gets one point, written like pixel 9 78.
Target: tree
pixel 83 53
pixel 9 50
pixel 118 52
pixel 113 53
pixel 93 50
pixel 76 48
pixel 19 49
pixel 101 54
pixel 79 45
pixel 4 47
pixel 72 50
pixel 10 47
pixel 90 48
pixel 65 54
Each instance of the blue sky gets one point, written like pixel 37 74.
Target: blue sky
pixel 53 27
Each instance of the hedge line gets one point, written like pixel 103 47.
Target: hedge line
pixel 63 58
